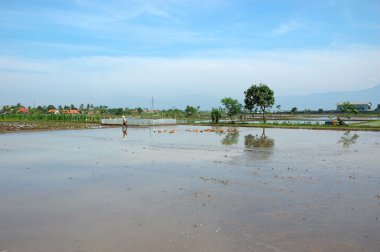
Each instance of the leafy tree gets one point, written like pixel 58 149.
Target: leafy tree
pixel 119 111
pixel 320 110
pixel 50 107
pixel 6 108
pixel 347 109
pixel 140 110
pixel 259 96
pixel 173 113
pixel 278 107
pixel 294 110
pixel 41 109
pixel 191 111
pixel 216 114
pixel 232 106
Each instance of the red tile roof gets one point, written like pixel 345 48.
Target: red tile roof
pixel 71 111
pixel 23 110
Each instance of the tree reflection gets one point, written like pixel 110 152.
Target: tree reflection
pixel 231 138
pixel 258 147
pixel 348 139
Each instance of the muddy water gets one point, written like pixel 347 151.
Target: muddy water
pixel 278 190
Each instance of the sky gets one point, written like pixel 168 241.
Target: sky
pixel 121 53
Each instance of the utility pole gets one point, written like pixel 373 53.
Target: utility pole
pixel 152 103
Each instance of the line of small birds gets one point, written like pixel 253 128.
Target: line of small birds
pixel 229 130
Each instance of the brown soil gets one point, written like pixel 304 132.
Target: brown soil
pixel 7 127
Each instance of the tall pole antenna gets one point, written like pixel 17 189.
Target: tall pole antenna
pixel 152 102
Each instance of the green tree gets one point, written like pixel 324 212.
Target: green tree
pixel 216 114
pixel 347 109
pixel 50 107
pixel 232 106
pixel 119 111
pixel 259 96
pixel 41 109
pixel 278 107
pixel 191 111
pixel 294 110
pixel 6 108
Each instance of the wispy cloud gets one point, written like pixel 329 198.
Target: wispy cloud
pixel 287 72
pixel 287 27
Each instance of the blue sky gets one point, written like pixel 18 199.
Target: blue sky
pixel 121 53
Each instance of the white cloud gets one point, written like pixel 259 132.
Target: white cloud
pixel 106 79
pixel 287 27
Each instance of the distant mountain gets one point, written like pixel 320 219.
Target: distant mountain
pixel 329 100
pixel 326 101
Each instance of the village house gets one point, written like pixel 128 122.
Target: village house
pixel 53 111
pixel 23 110
pixel 360 106
pixel 71 111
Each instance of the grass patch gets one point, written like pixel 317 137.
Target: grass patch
pixel 367 124
pixel 361 126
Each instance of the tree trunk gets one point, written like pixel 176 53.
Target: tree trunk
pixel 263 109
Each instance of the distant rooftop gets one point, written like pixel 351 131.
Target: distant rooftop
pixel 355 103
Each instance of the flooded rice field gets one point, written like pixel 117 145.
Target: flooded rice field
pixel 190 189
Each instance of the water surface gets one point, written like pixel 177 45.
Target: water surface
pixel 186 189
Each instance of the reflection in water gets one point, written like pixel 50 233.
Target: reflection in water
pixel 231 138
pixel 348 139
pixel 84 191
pixel 125 131
pixel 259 147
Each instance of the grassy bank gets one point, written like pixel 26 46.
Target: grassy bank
pixel 14 123
pixel 50 117
pixel 366 126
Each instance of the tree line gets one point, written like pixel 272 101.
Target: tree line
pixel 256 97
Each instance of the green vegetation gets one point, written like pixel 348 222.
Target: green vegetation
pixel 232 107
pixel 367 124
pixel 50 117
pixel 259 96
pixel 216 114
pixel 191 111
pixel 289 125
pixel 348 109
